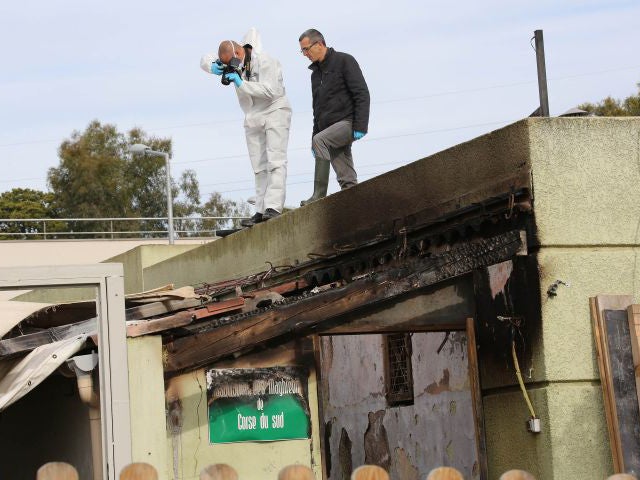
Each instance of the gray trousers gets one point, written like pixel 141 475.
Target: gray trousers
pixel 334 145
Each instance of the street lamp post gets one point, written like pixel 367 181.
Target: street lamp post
pixel 145 150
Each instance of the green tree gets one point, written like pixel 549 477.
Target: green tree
pixel 217 206
pixel 187 204
pixel 611 107
pixel 98 178
pixel 25 203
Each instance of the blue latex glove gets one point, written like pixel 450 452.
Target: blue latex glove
pixel 358 135
pixel 234 77
pixel 313 152
pixel 216 68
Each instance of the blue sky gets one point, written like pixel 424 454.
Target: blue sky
pixel 439 73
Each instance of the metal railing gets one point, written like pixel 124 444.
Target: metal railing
pixel 115 227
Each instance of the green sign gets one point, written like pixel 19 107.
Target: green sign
pixel 257 405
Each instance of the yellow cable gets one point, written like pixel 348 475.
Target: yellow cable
pixel 519 375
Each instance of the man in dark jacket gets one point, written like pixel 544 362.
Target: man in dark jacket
pixel 340 111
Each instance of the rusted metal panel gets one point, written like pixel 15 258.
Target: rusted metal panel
pixel 438 429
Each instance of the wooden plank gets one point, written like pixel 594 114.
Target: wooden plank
pixel 602 303
pixel 324 310
pixel 600 356
pixel 57 471
pixel 217 308
pixel 186 317
pixel 146 327
pixel 160 308
pixel 476 399
pixel 633 312
pixel 324 447
pixel 616 323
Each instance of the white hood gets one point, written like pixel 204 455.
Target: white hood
pixel 252 37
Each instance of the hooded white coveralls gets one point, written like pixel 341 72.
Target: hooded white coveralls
pixel 267 120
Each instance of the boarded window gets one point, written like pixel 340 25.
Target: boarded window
pixel 398 369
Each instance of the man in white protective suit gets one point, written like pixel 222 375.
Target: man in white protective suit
pixel 258 82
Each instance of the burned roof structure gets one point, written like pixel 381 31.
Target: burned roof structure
pixel 471 240
pixel 387 257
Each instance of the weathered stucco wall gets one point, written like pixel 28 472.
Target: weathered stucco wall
pixel 586 173
pixel 170 425
pixel 573 442
pixel 409 441
pixel 569 348
pixel 187 445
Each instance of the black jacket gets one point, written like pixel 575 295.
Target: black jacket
pixel 339 92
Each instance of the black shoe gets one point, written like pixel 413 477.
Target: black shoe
pixel 270 213
pixel 250 222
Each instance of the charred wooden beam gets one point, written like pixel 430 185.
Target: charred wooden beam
pixel 146 327
pixel 186 317
pixel 154 309
pixel 321 311
pixel 438 223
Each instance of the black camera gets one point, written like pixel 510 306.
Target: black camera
pixel 232 67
